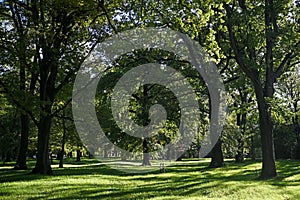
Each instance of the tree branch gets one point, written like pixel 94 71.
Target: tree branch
pixel 18 104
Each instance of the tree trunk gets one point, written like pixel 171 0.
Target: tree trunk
pixel 146 155
pixel 263 89
pixel 62 152
pixel 90 155
pixel 105 151
pixel 24 118
pixel 297 131
pixel 8 156
pixel 241 122
pixel 145 115
pixel 43 165
pixel 217 159
pixel 252 149
pixel 239 157
pixel 21 160
pixel 78 155
pixel 266 133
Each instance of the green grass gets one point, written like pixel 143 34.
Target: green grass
pixel 184 180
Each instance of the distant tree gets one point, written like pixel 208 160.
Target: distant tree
pixel 286 110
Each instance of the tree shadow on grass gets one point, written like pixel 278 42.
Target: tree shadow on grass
pixel 179 180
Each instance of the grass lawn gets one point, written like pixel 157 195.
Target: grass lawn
pixel 183 180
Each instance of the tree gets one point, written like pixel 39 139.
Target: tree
pixel 60 35
pixel 286 114
pixel 263 53
pixel 142 100
pixel 9 129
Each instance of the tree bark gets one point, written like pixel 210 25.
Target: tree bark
pixel 217 159
pixel 24 118
pixel 21 160
pixel 146 155
pixel 43 165
pixel 266 133
pixel 262 90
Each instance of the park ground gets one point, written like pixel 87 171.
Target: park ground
pixel 188 179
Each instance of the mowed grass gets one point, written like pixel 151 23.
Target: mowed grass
pixel 183 180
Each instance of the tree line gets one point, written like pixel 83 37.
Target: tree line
pixel 255 45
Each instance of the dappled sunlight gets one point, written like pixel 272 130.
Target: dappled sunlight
pixel 185 179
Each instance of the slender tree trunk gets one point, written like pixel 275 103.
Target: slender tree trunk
pixel 145 110
pixel 241 122
pixel 170 152
pixel 62 152
pixel 239 157
pixel 78 155
pixel 297 131
pixel 90 155
pixel 21 160
pixel 24 118
pixel 252 149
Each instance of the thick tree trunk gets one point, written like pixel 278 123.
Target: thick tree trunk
pixel 21 160
pixel 266 133
pixel 43 165
pixel 263 89
pixel 146 155
pixel 217 159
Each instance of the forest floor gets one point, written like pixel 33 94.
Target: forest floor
pixel 183 180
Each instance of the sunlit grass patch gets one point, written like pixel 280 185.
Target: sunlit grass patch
pixel 183 180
